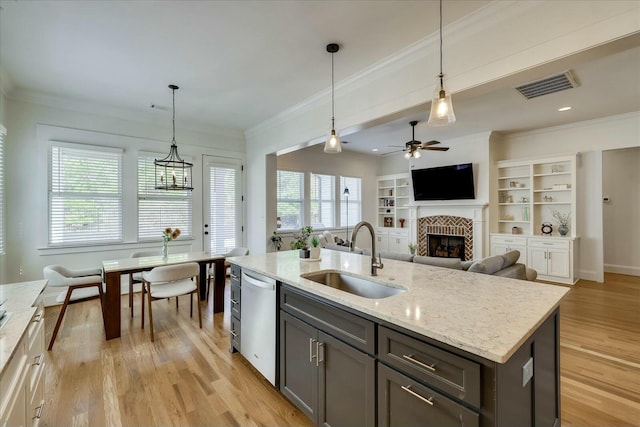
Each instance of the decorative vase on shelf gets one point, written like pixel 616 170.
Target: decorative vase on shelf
pixel 165 249
pixel 563 229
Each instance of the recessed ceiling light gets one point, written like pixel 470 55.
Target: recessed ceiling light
pixel 375 149
pixel 564 108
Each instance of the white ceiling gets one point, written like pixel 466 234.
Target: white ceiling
pixel 239 63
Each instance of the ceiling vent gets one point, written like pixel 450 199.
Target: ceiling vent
pixel 549 85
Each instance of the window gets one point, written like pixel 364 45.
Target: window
pixel 3 131
pixel 224 205
pixel 159 209
pixel 354 201
pixel 322 201
pixel 85 194
pixel 290 199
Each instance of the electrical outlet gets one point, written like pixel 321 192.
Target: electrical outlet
pixel 527 371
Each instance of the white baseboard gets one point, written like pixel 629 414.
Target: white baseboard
pixel 589 275
pixel 622 269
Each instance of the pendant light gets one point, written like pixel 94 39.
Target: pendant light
pixel 441 106
pixel 173 173
pixel 333 144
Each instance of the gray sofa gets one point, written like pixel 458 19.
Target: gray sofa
pixel 498 265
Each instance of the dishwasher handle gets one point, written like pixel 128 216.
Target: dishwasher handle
pixel 266 283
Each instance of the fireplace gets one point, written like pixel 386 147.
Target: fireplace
pixel 449 227
pixel 445 246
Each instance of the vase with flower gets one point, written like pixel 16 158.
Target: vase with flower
pixel 563 221
pixel 168 235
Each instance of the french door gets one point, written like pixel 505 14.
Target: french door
pixel 222 204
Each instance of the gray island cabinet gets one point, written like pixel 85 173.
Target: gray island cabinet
pixel 431 356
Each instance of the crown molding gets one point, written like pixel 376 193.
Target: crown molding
pixel 86 107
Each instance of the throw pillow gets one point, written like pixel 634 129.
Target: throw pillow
pixel 510 258
pixel 488 265
pixel 454 263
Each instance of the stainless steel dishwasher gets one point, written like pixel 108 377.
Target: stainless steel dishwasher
pixel 258 323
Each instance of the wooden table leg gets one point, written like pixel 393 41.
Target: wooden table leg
pixel 203 280
pixel 218 285
pixel 112 306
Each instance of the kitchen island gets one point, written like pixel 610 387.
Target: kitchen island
pixel 484 348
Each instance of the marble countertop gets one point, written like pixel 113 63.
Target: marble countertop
pixel 19 304
pixel 485 315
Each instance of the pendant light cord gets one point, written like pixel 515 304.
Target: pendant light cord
pixel 441 75
pixel 173 121
pixel 332 100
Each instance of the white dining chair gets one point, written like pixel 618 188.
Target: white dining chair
pixel 233 252
pixel 137 277
pixel 82 285
pixel 170 281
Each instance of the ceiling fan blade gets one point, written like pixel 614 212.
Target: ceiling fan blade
pixel 436 148
pixel 391 152
pixel 399 146
pixel 432 142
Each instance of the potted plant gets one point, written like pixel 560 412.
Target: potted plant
pixel 276 241
pixel 412 248
pixel 315 248
pixel 563 221
pixel 301 241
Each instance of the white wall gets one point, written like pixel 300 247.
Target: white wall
pixel 480 48
pixel 590 139
pixel 364 166
pixel 26 177
pixel 621 214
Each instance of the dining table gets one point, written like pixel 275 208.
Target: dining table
pixel 115 268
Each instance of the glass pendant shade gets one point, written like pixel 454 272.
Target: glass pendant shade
pixel 441 107
pixel 333 144
pixel 407 155
pixel 416 154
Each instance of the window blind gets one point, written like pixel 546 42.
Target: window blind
pixel 85 194
pixel 223 209
pixel 2 234
pixel 355 201
pixel 159 209
pixel 322 201
pixel 290 199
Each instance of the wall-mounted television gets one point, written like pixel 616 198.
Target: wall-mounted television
pixel 452 182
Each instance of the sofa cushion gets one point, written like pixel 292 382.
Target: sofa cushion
pixel 467 264
pixel 454 263
pixel 510 258
pixel 488 265
pixel 516 271
pixel 398 256
pixel 336 247
pixel 330 238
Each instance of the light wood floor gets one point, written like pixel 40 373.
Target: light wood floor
pixel 188 377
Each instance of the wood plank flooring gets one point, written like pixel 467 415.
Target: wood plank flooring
pixel 188 376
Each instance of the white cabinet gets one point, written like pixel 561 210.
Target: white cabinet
pixel 22 382
pixel 393 200
pixel 503 244
pixel 551 259
pixel 392 240
pixel 399 241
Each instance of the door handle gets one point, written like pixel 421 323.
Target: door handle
pixel 318 346
pixel 311 355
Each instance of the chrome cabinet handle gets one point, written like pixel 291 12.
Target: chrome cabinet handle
pixel 318 346
pixel 413 393
pixel 233 276
pixel 38 411
pixel 410 358
pixel 235 335
pixel 37 360
pixel 234 302
pixel 311 355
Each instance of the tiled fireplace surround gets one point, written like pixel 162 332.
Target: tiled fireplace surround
pixel 467 221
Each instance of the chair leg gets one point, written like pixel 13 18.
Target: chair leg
pixel 131 293
pixel 142 304
pixel 199 312
pixel 60 316
pixel 176 303
pixel 101 296
pixel 191 307
pixel 150 315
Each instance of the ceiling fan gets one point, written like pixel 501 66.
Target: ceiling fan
pixel 412 148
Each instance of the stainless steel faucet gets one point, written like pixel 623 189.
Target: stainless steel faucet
pixel 374 265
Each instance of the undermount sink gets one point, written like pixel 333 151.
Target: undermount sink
pixel 353 285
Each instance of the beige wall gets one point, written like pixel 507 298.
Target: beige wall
pixel 621 214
